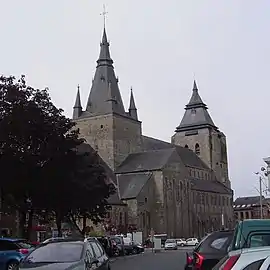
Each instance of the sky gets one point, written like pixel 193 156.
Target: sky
pixel 158 48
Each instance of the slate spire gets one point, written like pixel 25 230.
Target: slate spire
pixel 77 109
pixel 105 88
pixel 196 115
pixel 132 107
pixel 195 98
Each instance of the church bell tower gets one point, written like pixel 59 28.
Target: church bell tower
pixel 198 132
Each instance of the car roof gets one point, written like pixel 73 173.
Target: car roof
pixel 249 250
pixel 64 240
pixel 12 239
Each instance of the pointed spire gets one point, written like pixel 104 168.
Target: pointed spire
pixel 132 107
pixel 195 99
pixel 196 115
pixel 132 101
pixel 77 109
pixel 104 55
pixel 195 86
pixel 105 85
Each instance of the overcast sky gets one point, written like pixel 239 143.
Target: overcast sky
pixel 158 48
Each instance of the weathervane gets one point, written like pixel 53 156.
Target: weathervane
pixel 104 13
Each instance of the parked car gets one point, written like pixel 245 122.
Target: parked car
pixel 107 244
pixel 246 232
pixel 266 264
pixel 170 244
pixel 67 254
pixel 247 259
pixel 181 242
pixel 211 250
pixel 118 245
pixel 12 251
pixel 192 242
pixel 189 261
pixel 133 248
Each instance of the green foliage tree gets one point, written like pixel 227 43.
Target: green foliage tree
pixel 40 165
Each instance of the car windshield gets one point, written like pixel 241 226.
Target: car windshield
pixel 56 253
pixel 24 244
pixel 170 241
pixel 117 240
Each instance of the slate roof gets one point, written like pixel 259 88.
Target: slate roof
pixel 115 200
pixel 196 114
pixel 188 157
pixel 130 185
pixel 247 200
pixel 209 186
pixel 145 161
pixel 104 95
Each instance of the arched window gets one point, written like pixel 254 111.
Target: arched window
pixel 197 149
pixel 186 146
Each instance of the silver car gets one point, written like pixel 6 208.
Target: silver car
pixel 170 244
pixel 252 258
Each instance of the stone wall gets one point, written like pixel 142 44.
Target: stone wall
pixel 177 200
pixel 98 132
pixel 208 209
pixel 201 137
pixel 127 137
pixel 112 136
pixel 212 149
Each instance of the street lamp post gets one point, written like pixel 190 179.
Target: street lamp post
pixel 261 195
pixel 261 204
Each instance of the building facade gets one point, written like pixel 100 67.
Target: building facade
pixel 250 208
pixel 181 187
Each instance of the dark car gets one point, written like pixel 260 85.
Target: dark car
pixel 107 244
pixel 70 254
pixel 12 251
pixel 210 250
pixel 133 248
pixel 189 261
pixel 118 245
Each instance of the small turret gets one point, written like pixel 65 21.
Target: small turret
pixel 77 109
pixel 132 107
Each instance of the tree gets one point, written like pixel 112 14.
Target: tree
pixel 40 145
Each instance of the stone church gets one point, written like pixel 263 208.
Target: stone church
pixel 180 188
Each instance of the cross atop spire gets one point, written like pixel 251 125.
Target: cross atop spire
pixel 104 13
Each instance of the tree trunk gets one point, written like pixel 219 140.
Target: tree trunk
pixel 59 224
pixel 22 220
pixel 74 222
pixel 84 225
pixel 30 224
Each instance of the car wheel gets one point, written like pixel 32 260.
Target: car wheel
pixel 134 251
pixel 182 245
pixel 13 265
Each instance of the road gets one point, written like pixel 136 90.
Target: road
pixel 165 260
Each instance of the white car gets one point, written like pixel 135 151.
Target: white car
pixel 181 242
pixel 170 244
pixel 266 264
pixel 248 258
pixel 192 242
